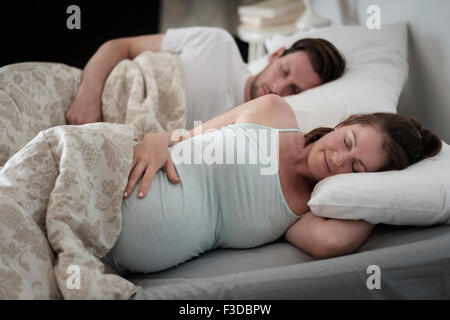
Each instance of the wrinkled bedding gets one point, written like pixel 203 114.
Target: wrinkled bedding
pixel 61 190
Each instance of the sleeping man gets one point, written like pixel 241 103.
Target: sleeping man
pixel 215 77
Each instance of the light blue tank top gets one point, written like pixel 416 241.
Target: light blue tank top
pixel 229 197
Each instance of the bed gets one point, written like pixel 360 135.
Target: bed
pixel 396 262
pixel 413 261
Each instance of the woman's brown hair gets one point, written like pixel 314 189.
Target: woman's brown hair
pixel 406 142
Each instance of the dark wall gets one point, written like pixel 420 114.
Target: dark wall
pixel 37 31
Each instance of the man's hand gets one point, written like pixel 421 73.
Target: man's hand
pixel 149 156
pixel 86 108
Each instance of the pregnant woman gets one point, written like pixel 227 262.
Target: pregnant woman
pixel 248 182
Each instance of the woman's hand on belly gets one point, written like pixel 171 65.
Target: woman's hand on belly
pixel 149 156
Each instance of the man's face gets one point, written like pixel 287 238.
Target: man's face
pixel 287 75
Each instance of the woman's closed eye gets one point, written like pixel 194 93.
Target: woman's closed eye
pixel 348 146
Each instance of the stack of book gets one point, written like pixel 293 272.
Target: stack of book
pixel 270 15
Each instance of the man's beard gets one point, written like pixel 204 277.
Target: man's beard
pixel 253 87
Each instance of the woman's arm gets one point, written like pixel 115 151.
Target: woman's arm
pixel 269 110
pixel 87 105
pixel 326 238
pixel 152 154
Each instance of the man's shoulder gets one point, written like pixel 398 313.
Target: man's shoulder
pixel 199 40
pixel 214 33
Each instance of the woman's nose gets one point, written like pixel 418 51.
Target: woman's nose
pixel 335 159
pixel 340 159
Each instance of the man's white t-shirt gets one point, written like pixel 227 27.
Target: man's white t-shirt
pixel 213 72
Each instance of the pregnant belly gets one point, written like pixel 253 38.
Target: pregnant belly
pixel 167 227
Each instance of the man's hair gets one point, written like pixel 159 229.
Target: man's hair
pixel 326 60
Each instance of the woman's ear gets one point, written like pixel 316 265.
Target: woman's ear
pixel 276 54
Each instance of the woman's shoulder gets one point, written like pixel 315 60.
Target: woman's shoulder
pixel 274 112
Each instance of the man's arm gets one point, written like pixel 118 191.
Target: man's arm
pixel 87 105
pixel 326 238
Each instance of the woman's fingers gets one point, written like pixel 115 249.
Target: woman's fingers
pixel 146 182
pixel 134 178
pixel 150 175
pixel 170 171
pixel 149 156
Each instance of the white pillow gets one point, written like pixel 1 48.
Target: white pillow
pixel 376 71
pixel 418 195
